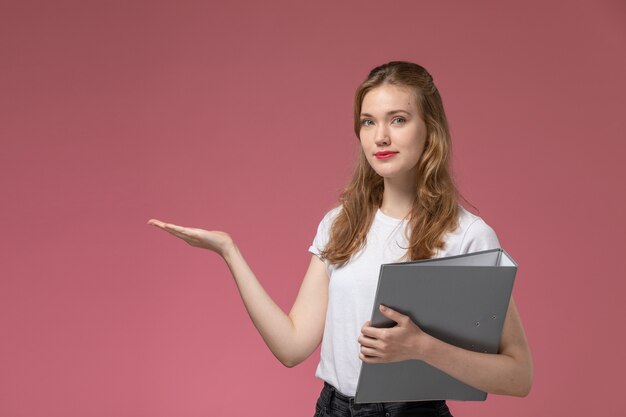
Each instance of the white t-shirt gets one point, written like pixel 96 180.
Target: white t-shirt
pixel 352 287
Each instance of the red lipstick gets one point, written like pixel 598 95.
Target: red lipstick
pixel 384 154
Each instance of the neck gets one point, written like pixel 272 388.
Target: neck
pixel 398 197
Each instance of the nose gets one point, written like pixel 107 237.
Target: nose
pixel 382 136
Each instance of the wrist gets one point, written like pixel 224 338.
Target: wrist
pixel 229 251
pixel 425 344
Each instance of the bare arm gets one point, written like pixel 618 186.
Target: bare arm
pixel 508 372
pixel 291 338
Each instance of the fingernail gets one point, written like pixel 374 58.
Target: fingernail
pixel 383 308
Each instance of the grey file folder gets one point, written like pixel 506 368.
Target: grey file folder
pixel 461 300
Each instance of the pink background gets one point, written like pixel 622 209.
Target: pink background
pixel 237 116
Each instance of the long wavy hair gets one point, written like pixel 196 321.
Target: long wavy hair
pixel 435 206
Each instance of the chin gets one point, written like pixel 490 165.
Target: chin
pixel 385 172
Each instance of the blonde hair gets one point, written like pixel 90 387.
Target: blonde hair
pixel 435 207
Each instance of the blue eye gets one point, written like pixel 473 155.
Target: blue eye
pixel 366 122
pixel 399 120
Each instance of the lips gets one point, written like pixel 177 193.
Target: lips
pixel 384 154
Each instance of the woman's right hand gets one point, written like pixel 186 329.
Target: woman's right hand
pixel 215 241
pixel 291 338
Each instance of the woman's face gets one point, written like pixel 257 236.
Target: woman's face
pixel 393 132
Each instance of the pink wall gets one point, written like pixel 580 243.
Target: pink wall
pixel 238 117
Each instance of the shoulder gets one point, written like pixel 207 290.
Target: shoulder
pixel 323 231
pixel 328 219
pixel 477 234
pixel 473 225
pixel 473 234
pixel 331 214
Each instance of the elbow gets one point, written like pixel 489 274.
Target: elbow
pixel 527 387
pixel 520 380
pixel 523 388
pixel 292 355
pixel 522 391
pixel 517 384
pixel 290 362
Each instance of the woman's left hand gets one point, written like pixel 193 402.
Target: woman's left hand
pixel 402 342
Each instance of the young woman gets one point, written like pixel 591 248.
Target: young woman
pixel 401 204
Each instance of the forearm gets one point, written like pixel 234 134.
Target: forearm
pixel 275 327
pixel 279 331
pixel 493 373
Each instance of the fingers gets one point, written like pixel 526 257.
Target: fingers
pixel 371 348
pixel 372 332
pixel 167 226
pixel 393 315
pixel 369 352
pixel 370 355
pixel 368 342
pixel 178 231
pixel 371 359
pixel 378 333
pixel 158 223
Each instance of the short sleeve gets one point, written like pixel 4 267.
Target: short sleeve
pixel 323 232
pixel 479 236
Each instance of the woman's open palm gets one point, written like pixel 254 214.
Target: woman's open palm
pixel 213 240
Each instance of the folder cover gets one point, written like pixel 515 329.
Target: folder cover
pixel 461 300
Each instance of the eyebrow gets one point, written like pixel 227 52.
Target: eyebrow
pixel 389 113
